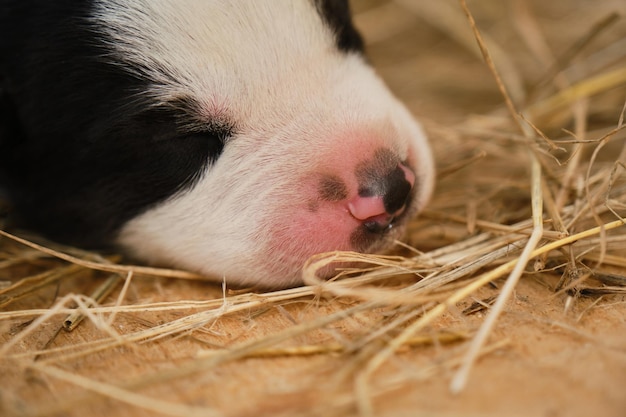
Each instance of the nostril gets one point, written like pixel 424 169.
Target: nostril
pixel 397 188
pixel 379 224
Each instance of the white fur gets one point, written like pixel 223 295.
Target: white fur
pixel 271 67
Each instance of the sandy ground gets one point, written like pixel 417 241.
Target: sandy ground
pixel 550 363
pixel 553 355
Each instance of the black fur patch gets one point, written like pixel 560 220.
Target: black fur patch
pixel 80 152
pixel 336 14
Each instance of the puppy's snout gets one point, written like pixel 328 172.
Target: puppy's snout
pixel 383 197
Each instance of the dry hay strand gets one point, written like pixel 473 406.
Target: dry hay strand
pixel 538 193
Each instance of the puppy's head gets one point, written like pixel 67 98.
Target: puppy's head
pixel 317 155
pixel 235 139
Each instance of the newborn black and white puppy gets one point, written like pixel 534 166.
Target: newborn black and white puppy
pixel 231 138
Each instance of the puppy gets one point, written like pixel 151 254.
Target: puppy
pixel 231 138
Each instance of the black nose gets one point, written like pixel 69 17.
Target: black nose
pixel 394 187
pixel 383 195
pixel 384 191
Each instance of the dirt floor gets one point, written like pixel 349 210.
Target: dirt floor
pixel 555 351
pixel 549 362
